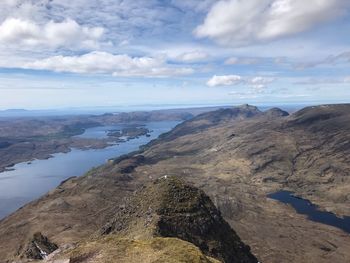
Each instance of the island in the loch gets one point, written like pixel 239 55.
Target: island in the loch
pixel 129 133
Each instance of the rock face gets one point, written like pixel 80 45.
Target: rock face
pixel 169 207
pixel 39 247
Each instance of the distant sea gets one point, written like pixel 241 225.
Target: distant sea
pixel 10 113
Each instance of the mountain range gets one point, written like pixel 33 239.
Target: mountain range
pixel 222 165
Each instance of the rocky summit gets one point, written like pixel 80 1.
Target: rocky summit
pixel 170 208
pixel 167 220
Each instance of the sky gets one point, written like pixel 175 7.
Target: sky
pixel 87 53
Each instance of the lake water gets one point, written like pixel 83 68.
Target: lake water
pixel 29 181
pixel 305 207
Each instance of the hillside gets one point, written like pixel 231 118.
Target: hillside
pixel 114 249
pixel 236 156
pixel 156 220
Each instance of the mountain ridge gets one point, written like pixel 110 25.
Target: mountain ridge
pixel 168 207
pixel 164 211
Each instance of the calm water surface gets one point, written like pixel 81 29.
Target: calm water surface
pixel 100 132
pixel 305 207
pixel 29 181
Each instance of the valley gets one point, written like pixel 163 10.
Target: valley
pixel 27 181
pixel 24 139
pixel 213 131
pixel 237 156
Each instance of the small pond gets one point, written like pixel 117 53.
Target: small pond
pixel 305 207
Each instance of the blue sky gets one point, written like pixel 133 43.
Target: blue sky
pixel 84 53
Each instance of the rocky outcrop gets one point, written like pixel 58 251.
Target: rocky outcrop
pixel 39 247
pixel 169 207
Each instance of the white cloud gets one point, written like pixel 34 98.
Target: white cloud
pixel 224 80
pixel 106 63
pixel 254 87
pixel 10 2
pixel 236 22
pixel 133 20
pixel 259 88
pixel 193 56
pixel 261 80
pixel 257 83
pixel 242 61
pixel 347 79
pixel 66 34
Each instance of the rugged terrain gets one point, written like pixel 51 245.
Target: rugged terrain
pixel 155 221
pixel 236 156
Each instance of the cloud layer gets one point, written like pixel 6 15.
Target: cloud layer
pixel 224 80
pixel 242 61
pixel 106 63
pixel 258 83
pixel 193 56
pixel 67 34
pixel 255 47
pixel 236 22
